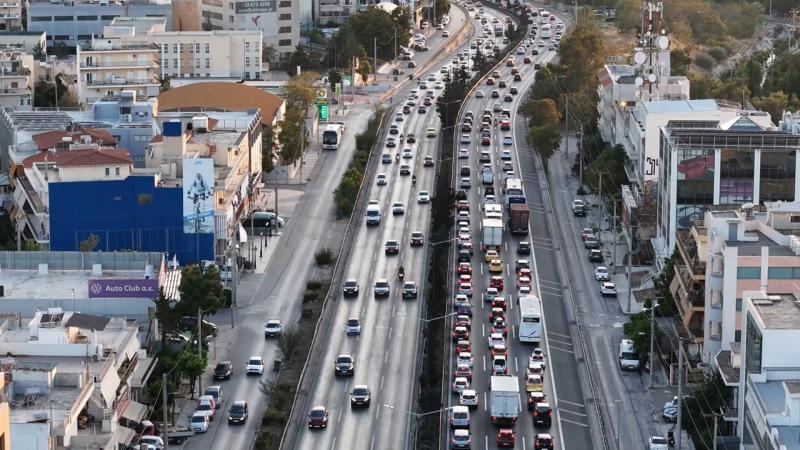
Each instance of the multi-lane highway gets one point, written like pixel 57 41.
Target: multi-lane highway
pixel 277 293
pixel 562 386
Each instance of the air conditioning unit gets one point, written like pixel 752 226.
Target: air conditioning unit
pixel 127 117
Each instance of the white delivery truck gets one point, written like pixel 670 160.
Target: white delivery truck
pixel 504 402
pixel 492 234
pixel 332 136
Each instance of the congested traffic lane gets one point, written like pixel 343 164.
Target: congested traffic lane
pixel 483 432
pixel 389 326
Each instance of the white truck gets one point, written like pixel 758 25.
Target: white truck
pixel 492 234
pixel 504 402
pixel 332 136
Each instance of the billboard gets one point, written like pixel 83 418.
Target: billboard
pixel 256 6
pixel 133 288
pixel 198 195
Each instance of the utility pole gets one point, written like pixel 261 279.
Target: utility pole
pixel 375 60
pixel 614 243
pixel 164 409
pixel 716 417
pixel 652 338
pixel 566 127
pixel 630 262
pixel 199 346
pixel 576 10
pixel 680 397
pixel 579 135
pixel 235 276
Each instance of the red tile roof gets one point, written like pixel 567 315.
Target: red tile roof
pixel 49 139
pixel 83 157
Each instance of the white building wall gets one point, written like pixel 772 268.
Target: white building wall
pixel 30 436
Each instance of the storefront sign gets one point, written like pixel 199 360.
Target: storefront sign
pixel 123 288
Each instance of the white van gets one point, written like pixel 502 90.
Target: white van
pixel 459 417
pixel 373 213
pixel 499 366
pixel 628 358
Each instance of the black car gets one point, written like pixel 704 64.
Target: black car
pixel 350 288
pixel 409 289
pixel 591 242
pixel 411 138
pixel 223 370
pixel 595 255
pixel 428 161
pixel 359 396
pixel 461 194
pixel 422 109
pixel 392 247
pixel 513 90
pixel 417 239
pixel 489 190
pixel 464 256
pixel 344 366
pixel 524 248
pixel 501 84
pixel 542 415
pixel 535 51
pixel 517 77
pixel 238 412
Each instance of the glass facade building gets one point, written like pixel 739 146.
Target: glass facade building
pixel 706 164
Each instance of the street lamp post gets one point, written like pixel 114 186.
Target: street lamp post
pixel 410 413
pixel 431 319
pixel 261 252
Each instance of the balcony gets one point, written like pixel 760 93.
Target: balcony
pixel 121 82
pixel 688 250
pixel 729 371
pixel 88 65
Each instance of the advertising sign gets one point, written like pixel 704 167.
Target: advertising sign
pixel 256 6
pixel 198 195
pixel 123 288
pixel 323 113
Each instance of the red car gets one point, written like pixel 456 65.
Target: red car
pixel 499 302
pixel 505 125
pixel 463 347
pixel 486 140
pixel 464 268
pixel 496 282
pixel 318 417
pixel 499 350
pixel 534 398
pixel 490 82
pixel 463 371
pixel 466 127
pixel 462 205
pixel 496 313
pixel 524 273
pixel 460 334
pixel 463 321
pixel 506 437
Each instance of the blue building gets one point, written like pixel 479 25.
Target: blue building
pixel 130 214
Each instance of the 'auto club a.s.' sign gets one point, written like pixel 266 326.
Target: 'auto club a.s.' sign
pixel 132 288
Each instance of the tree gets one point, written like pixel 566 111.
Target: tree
pixel 38 51
pixel 267 52
pixel 344 47
pixel 166 315
pixel 334 78
pixel 582 53
pixel 199 290
pixel 267 144
pixel 545 140
pixel 60 49
pixel 680 60
pixel 163 82
pixel 775 104
pixel 288 342
pixel 31 246
pixel 702 86
pixel 291 134
pixel 45 95
pixel 364 69
pixel 89 244
pixel 376 26
pixel 628 16
pixel 193 365
pixel 637 329
pixel 541 112
pixel 298 59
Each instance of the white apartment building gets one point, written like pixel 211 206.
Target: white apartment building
pixel 121 60
pixel 768 398
pixel 278 20
pixel 11 15
pixel 16 80
pixel 25 41
pixel 70 380
pixel 210 54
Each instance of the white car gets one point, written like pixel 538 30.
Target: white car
pixel 468 398
pixel 465 358
pixel 490 200
pixel 658 443
pixel 199 422
pixel 601 273
pixel 463 153
pixel 505 155
pixel 407 153
pixel 524 290
pixel 438 85
pixel 273 328
pixel 255 366
pixel 445 33
pixel 479 94
pixel 460 384
pixel 353 326
pixel 608 288
pixel 496 339
pixel 423 197
pixel 465 139
pixel 508 140
pixel 398 209
pixel 380 180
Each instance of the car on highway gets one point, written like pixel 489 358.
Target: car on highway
pixel 417 239
pixel 199 422
pixel 460 333
pixel 223 370
pixel 255 365
pixel 208 404
pixel 495 93
pixel 398 209
pixel 423 197
pixel 508 140
pixel 465 139
pixel 463 370
pixel 405 169
pixel 535 398
pixel 380 179
pixel 411 138
pixel 409 289
pixel 542 414
pixel 506 438
pixel 601 274
pixel 427 161
pixel 238 412
pixel 381 288
pixel 490 255
pixel 465 288
pixel 353 326
pixel 318 417
pixel 386 158
pixel 496 266
pixel 465 357
pixel 391 142
pixel 497 282
pixel 608 289
pixel 533 383
pixel 463 346
pixel 490 294
pixel 465 183
pixel 344 365
pixel 657 443
pixel 273 328
pixel 496 339
pixel 392 247
pixel 459 384
pixel 360 396
pixel 595 255
pixel 524 248
pixel 591 241
pixel 468 398
pixel 544 441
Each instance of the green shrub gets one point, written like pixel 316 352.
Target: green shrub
pixel 704 61
pixel 310 296
pixel 313 285
pixel 324 257
pixel 718 53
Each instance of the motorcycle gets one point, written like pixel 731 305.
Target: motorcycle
pixel 400 273
pixel 413 180
pixel 397 157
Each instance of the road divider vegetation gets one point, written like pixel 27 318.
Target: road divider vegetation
pixel 346 194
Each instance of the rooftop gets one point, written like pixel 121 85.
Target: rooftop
pixel 37 120
pixel 753 248
pixel 82 157
pixel 56 285
pixel 680 106
pixel 778 311
pixel 221 96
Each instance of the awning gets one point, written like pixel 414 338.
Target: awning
pixel 134 411
pixel 242 234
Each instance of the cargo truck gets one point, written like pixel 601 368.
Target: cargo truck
pixel 492 234
pixel 504 402
pixel 518 218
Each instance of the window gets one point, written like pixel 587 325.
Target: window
pixel 22 102
pixel 256 44
pixel 738 304
pixel 748 273
pixel 736 176
pixel 777 177
pixel 247 61
pixel 247 75
pixel 180 46
pixel 247 46
pixel 258 61
pixel 144 199
pixel 108 171
pixel 285 17
pixel 752 347
pixel 116 170
pixel 174 48
pixel 61 37
pixel 283 30
pixel 84 37
pixel 175 63
pixel 230 19
pixel 63 18
pixel 208 48
pixel 165 48
pixel 197 48
pixel 41 19
pixel 191 48
pixel 258 75
pixel 231 6
pixel 197 63
pixel 124 109
pixel 108 17
pixel 795 219
pixel 87 17
pixel 285 43
pixel 284 4
pixel 783 273
pixel 208 63
pixel 14 85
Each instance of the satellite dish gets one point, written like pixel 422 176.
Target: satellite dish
pixel 662 42
pixel 639 81
pixel 651 78
pixel 639 58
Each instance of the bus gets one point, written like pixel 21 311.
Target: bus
pixel 332 137
pixel 545 31
pixel 530 318
pixel 513 191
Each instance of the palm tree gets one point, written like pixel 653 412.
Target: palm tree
pixel 364 69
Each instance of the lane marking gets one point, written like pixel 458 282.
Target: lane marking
pixel 572 422
pixel 339 419
pixel 561 342
pixel 372 441
pixel 580 405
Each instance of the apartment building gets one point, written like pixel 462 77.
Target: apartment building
pixel 710 163
pixel 210 54
pixel 16 79
pixel 767 376
pixel 69 380
pixel 11 15
pixel 278 20
pixel 76 21
pixel 24 41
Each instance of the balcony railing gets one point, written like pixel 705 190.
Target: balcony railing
pixel 688 249
pixel 121 82
pixel 117 64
